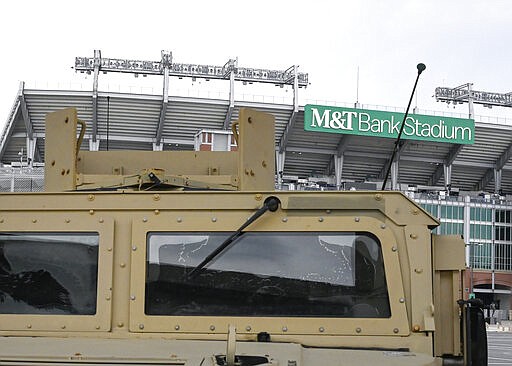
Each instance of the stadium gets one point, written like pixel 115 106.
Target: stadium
pixel 457 167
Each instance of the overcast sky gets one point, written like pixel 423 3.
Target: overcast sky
pixel 460 41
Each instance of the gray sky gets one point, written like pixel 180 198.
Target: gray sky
pixel 460 41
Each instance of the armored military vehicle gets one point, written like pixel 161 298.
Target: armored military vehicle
pixel 192 258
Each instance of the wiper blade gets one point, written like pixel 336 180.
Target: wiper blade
pixel 271 204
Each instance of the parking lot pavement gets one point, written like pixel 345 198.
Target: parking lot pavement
pixel 500 348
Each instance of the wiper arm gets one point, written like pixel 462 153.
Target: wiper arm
pixel 271 204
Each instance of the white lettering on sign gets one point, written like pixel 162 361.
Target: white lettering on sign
pixel 388 124
pixel 414 127
pixel 337 120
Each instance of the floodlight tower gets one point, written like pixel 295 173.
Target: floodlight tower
pixel 465 93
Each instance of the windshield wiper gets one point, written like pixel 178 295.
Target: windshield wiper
pixel 271 204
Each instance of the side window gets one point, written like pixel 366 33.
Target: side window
pixel 307 274
pixel 48 273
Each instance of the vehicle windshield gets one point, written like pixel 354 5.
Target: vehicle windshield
pixel 329 274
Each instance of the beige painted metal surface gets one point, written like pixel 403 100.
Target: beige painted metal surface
pixel 448 256
pixel 123 220
pixel 251 167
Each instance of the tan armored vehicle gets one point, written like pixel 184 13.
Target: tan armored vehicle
pixel 192 258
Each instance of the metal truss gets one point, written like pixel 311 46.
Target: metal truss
pixel 464 93
pixel 141 67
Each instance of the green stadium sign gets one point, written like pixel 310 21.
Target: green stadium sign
pixel 364 122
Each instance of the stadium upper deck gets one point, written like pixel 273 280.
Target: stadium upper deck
pixel 134 121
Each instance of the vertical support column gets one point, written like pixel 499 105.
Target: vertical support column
pixel 338 169
pixel 291 122
pixel 94 141
pixel 31 139
pixel 97 64
pixel 497 181
pixel 280 157
pixel 166 83
pixel 466 229
pixel 470 102
pixel 165 100
pixel 231 93
pixel 439 215
pixel 493 249
pixel 166 62
pixel 231 106
pixel 394 175
pixel 447 176
pixel 31 150
pixel 231 66
pixel 295 89
pixel 467 240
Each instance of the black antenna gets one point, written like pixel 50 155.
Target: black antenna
pixel 421 67
pixel 108 117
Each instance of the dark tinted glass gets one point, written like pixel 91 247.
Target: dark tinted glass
pixel 48 273
pixel 267 274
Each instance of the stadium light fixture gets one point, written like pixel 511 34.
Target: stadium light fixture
pixel 464 94
pixel 180 70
